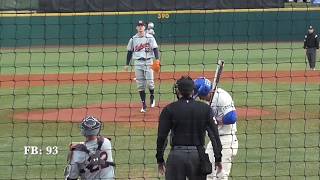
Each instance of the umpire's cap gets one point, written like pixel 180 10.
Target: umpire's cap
pixel 90 126
pixel 185 85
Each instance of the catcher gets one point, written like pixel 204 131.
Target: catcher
pixel 92 159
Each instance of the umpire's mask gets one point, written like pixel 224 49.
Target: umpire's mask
pixel 90 126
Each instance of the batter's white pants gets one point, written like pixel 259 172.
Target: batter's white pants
pixel 229 151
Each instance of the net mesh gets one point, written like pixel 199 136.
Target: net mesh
pixel 57 68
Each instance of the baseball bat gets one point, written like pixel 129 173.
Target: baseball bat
pixel 217 77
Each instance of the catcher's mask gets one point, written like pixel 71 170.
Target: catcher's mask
pixel 90 126
pixel 184 86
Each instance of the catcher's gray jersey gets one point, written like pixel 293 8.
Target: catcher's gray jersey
pixel 142 47
pixel 79 159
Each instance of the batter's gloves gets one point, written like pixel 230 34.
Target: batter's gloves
pixel 156 66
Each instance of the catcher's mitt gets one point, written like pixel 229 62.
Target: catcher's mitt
pixel 156 65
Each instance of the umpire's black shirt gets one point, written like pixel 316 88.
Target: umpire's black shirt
pixel 311 41
pixel 188 121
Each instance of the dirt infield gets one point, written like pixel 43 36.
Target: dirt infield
pixel 123 112
pixel 21 81
pixel 120 113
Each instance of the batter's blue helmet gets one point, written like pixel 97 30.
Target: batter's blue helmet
pixel 203 87
pixel 90 126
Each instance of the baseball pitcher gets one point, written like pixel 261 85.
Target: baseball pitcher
pixel 92 159
pixel 226 117
pixel 143 49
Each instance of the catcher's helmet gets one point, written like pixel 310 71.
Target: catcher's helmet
pixel 203 87
pixel 90 126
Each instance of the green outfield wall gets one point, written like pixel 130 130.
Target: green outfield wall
pixel 171 27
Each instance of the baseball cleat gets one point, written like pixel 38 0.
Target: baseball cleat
pixel 153 103
pixel 144 108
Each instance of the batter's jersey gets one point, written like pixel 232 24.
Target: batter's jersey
pixel 79 159
pixel 151 31
pixel 222 104
pixel 142 47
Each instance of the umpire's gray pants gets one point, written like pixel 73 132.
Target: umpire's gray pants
pixel 311 55
pixel 183 163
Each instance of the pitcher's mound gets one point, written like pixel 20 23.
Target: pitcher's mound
pixel 115 112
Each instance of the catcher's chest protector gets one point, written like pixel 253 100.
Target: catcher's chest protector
pixel 96 160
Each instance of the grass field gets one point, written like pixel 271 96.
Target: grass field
pixel 283 145
pixel 180 57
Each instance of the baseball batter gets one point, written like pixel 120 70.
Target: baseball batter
pixel 92 159
pixel 143 49
pixel 226 116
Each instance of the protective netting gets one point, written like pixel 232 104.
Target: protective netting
pixel 57 68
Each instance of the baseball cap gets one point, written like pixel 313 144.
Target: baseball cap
pixel 310 27
pixel 140 23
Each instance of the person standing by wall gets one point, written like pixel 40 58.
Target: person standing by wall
pixel 311 44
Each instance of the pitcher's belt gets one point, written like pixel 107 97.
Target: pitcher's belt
pixel 143 59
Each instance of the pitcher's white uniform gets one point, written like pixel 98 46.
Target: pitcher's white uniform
pixel 143 49
pixel 222 104
pixel 77 166
pixel 143 56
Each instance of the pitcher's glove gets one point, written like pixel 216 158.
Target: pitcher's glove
pixel 156 66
